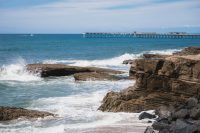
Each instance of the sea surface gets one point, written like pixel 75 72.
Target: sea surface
pixel 75 103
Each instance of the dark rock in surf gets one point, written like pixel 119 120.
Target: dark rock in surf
pixel 149 130
pixel 11 113
pixel 145 115
pixel 46 70
pixel 128 62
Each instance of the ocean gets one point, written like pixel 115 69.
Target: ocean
pixel 75 103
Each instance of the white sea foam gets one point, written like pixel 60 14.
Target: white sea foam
pixel 115 62
pixel 17 72
pixel 78 113
pixel 164 52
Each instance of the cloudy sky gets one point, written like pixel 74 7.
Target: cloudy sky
pixel 77 16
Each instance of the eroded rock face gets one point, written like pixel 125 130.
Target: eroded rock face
pixel 47 70
pixel 159 81
pixel 11 113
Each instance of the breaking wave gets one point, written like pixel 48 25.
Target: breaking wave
pixel 115 62
pixel 17 72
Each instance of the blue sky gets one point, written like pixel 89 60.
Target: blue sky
pixel 77 16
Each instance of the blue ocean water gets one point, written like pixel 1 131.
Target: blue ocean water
pixel 75 103
pixel 38 47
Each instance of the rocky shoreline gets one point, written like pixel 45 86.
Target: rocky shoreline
pixel 162 81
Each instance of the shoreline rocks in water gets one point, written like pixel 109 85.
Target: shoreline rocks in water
pixel 47 70
pixel 159 82
pixel 95 76
pixel 11 113
pixel 145 115
pixel 183 118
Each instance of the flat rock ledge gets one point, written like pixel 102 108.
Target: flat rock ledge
pixel 94 76
pixel 159 81
pixel 46 70
pixel 11 113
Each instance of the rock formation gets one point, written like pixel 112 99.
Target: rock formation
pixel 189 51
pixel 162 80
pixel 11 113
pixel 46 70
pixel 95 76
pixel 128 62
pixel 182 118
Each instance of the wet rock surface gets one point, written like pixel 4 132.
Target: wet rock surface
pixel 159 82
pixel 145 115
pixel 11 113
pixel 46 70
pixel 128 62
pixel 183 119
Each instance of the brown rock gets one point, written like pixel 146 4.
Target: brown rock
pixel 132 72
pixel 95 76
pixel 11 113
pixel 159 82
pixel 155 56
pixel 128 62
pixel 189 51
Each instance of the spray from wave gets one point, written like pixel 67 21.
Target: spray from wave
pixel 17 72
pixel 114 63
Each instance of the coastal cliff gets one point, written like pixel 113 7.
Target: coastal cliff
pixel 160 81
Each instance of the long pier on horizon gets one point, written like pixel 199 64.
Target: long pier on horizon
pixel 170 35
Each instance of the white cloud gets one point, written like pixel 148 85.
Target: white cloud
pixel 94 15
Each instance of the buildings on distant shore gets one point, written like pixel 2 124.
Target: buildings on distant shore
pixel 170 35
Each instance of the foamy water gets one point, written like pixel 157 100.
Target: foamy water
pixel 75 103
pixel 114 63
pixel 17 72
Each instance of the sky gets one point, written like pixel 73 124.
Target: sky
pixel 78 16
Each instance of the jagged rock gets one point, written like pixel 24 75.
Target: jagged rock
pixel 189 51
pixel 11 113
pixel 160 126
pixel 183 113
pixel 185 118
pixel 95 76
pixel 164 111
pixel 132 72
pixel 128 62
pixel 159 82
pixel 192 102
pixel 195 113
pixel 145 115
pixel 181 126
pixel 149 130
pixel 47 70
pixel 155 56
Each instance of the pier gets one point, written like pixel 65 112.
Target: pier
pixel 170 35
